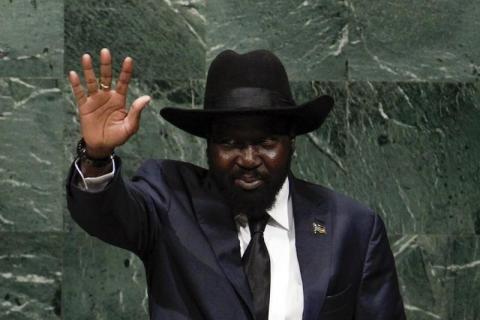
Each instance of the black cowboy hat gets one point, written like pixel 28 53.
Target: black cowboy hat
pixel 251 83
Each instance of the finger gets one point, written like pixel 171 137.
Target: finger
pixel 77 88
pixel 132 120
pixel 125 76
pixel 89 74
pixel 106 67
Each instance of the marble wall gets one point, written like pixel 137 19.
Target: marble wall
pixel 403 137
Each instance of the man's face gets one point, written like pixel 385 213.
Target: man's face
pixel 249 157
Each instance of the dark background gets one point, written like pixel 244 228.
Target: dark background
pixel 403 137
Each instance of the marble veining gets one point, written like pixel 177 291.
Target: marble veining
pixel 30 275
pixel 169 44
pixel 31 161
pixel 31 38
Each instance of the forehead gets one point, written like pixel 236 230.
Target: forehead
pixel 249 124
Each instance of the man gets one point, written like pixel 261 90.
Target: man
pixel 244 239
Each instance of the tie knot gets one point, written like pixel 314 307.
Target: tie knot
pixel 258 225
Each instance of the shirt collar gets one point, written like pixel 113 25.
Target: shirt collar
pixel 279 210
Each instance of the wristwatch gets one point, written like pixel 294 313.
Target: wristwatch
pixel 94 162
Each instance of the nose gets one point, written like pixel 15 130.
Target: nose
pixel 248 158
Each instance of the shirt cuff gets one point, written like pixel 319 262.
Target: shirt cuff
pixel 94 184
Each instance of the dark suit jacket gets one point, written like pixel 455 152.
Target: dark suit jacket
pixel 171 215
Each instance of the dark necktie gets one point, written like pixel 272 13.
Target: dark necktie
pixel 256 263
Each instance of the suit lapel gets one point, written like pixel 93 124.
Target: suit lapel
pixel 215 219
pixel 313 248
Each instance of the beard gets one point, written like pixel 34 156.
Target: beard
pixel 253 203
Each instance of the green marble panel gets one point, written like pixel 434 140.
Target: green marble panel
pixel 31 154
pixel 408 150
pixel 439 275
pixel 414 40
pixel 165 38
pixel 31 38
pixel 309 37
pixel 101 281
pixel 30 275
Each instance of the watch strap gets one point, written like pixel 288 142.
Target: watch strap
pixel 94 162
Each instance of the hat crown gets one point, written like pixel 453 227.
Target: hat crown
pixel 231 71
pixel 253 83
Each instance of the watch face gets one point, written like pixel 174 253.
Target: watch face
pixel 82 155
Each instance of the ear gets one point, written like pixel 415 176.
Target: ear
pixel 208 148
pixel 292 145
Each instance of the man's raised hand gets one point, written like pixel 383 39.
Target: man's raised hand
pixel 105 122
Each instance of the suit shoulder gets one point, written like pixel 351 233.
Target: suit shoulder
pixel 170 165
pixel 172 171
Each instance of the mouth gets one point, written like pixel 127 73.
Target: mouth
pixel 248 182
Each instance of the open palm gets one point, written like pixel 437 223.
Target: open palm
pixel 104 120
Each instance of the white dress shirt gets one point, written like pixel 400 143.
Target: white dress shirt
pixel 286 289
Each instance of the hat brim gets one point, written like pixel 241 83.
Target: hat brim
pixel 306 117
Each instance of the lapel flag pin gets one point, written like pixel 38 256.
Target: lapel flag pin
pixel 319 229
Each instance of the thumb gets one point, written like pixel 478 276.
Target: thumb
pixel 132 120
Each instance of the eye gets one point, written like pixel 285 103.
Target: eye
pixel 268 142
pixel 227 143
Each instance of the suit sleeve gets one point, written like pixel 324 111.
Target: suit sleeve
pixel 379 296
pixel 123 214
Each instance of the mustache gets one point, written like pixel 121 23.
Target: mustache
pixel 255 173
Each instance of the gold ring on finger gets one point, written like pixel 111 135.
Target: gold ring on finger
pixel 103 86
